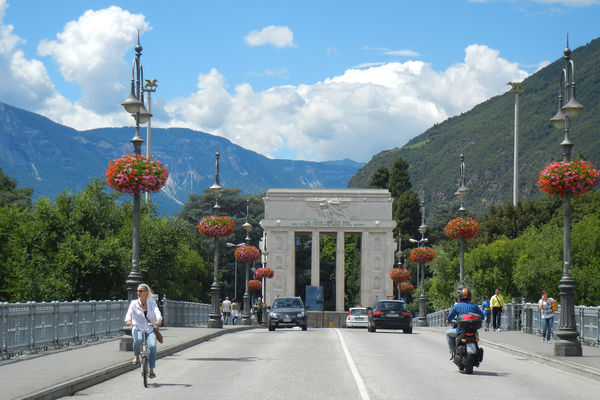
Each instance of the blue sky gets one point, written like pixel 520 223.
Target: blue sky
pixel 317 80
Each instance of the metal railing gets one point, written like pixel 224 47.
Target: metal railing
pixel 526 317
pixel 32 327
pixel 184 313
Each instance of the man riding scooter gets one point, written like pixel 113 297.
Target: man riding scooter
pixel 464 306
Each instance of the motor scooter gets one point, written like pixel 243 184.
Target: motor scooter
pixel 468 354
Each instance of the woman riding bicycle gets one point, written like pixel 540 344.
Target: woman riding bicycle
pixel 142 314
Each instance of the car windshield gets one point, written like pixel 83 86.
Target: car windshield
pixel 391 306
pixel 358 311
pixel 287 303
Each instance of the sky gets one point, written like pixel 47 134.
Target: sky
pixel 307 80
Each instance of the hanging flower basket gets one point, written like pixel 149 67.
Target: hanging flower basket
pixel 135 173
pixel 422 254
pixel 399 274
pixel 406 287
pixel 254 285
pixel 264 273
pixel 462 228
pixel 572 177
pixel 216 226
pixel 247 253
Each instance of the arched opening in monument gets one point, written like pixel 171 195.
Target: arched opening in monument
pixel 327 269
pixel 303 257
pixel 352 269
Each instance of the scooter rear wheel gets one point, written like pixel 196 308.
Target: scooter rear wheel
pixel 469 363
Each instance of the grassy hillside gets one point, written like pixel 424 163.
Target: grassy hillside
pixel 485 136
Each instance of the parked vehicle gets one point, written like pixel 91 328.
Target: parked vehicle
pixel 468 354
pixel 287 312
pixel 357 317
pixel 390 314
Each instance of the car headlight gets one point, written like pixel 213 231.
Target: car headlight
pixel 273 315
pixel 300 315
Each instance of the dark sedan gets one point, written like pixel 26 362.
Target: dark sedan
pixel 287 312
pixel 390 314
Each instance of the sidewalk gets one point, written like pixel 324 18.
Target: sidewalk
pixel 62 373
pixel 532 346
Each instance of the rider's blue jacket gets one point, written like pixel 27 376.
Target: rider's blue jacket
pixel 463 308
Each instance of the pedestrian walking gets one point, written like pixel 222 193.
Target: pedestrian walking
pixel 235 311
pixel 141 314
pixel 547 306
pixel 497 304
pixel 258 308
pixel 226 310
pixel 487 313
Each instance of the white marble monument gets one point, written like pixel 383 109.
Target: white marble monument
pixel 339 211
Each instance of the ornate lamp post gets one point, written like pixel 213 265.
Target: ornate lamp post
pixel 517 88
pixel 149 87
pixel 568 343
pixel 246 311
pixel 134 105
pixel 235 267
pixel 461 193
pixel 422 321
pixel 214 317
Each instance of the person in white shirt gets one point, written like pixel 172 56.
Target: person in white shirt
pixel 545 305
pixel 141 315
pixel 226 310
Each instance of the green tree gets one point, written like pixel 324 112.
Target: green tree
pixel 10 195
pixel 407 214
pixel 399 180
pixel 380 178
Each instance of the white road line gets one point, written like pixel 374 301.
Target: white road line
pixel 359 382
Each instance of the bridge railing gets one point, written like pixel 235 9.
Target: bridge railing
pixel 184 313
pixel 32 327
pixel 527 318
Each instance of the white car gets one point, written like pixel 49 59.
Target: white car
pixel 357 317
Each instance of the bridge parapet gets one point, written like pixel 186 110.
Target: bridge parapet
pixel 526 317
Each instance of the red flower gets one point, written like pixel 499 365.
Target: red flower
pixel 264 273
pixel 247 253
pixel 422 254
pixel 253 284
pixel 573 177
pixel 216 226
pixel 399 274
pixel 406 287
pixel 135 173
pixel 462 228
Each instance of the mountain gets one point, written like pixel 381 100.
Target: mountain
pixel 50 158
pixel 485 136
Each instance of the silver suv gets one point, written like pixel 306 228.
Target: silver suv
pixel 287 312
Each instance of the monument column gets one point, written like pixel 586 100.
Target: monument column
pixel 339 271
pixel 315 258
pixel 365 270
pixel 290 282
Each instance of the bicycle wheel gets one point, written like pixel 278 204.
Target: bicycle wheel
pixel 145 370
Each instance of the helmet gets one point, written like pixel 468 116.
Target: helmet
pixel 464 294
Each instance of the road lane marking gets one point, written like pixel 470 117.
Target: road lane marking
pixel 364 395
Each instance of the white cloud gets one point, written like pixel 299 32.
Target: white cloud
pixel 570 3
pixel 402 53
pixel 90 52
pixel 353 115
pixel 278 36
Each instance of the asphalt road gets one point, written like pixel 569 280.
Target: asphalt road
pixel 340 364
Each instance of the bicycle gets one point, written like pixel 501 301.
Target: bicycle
pixel 144 359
